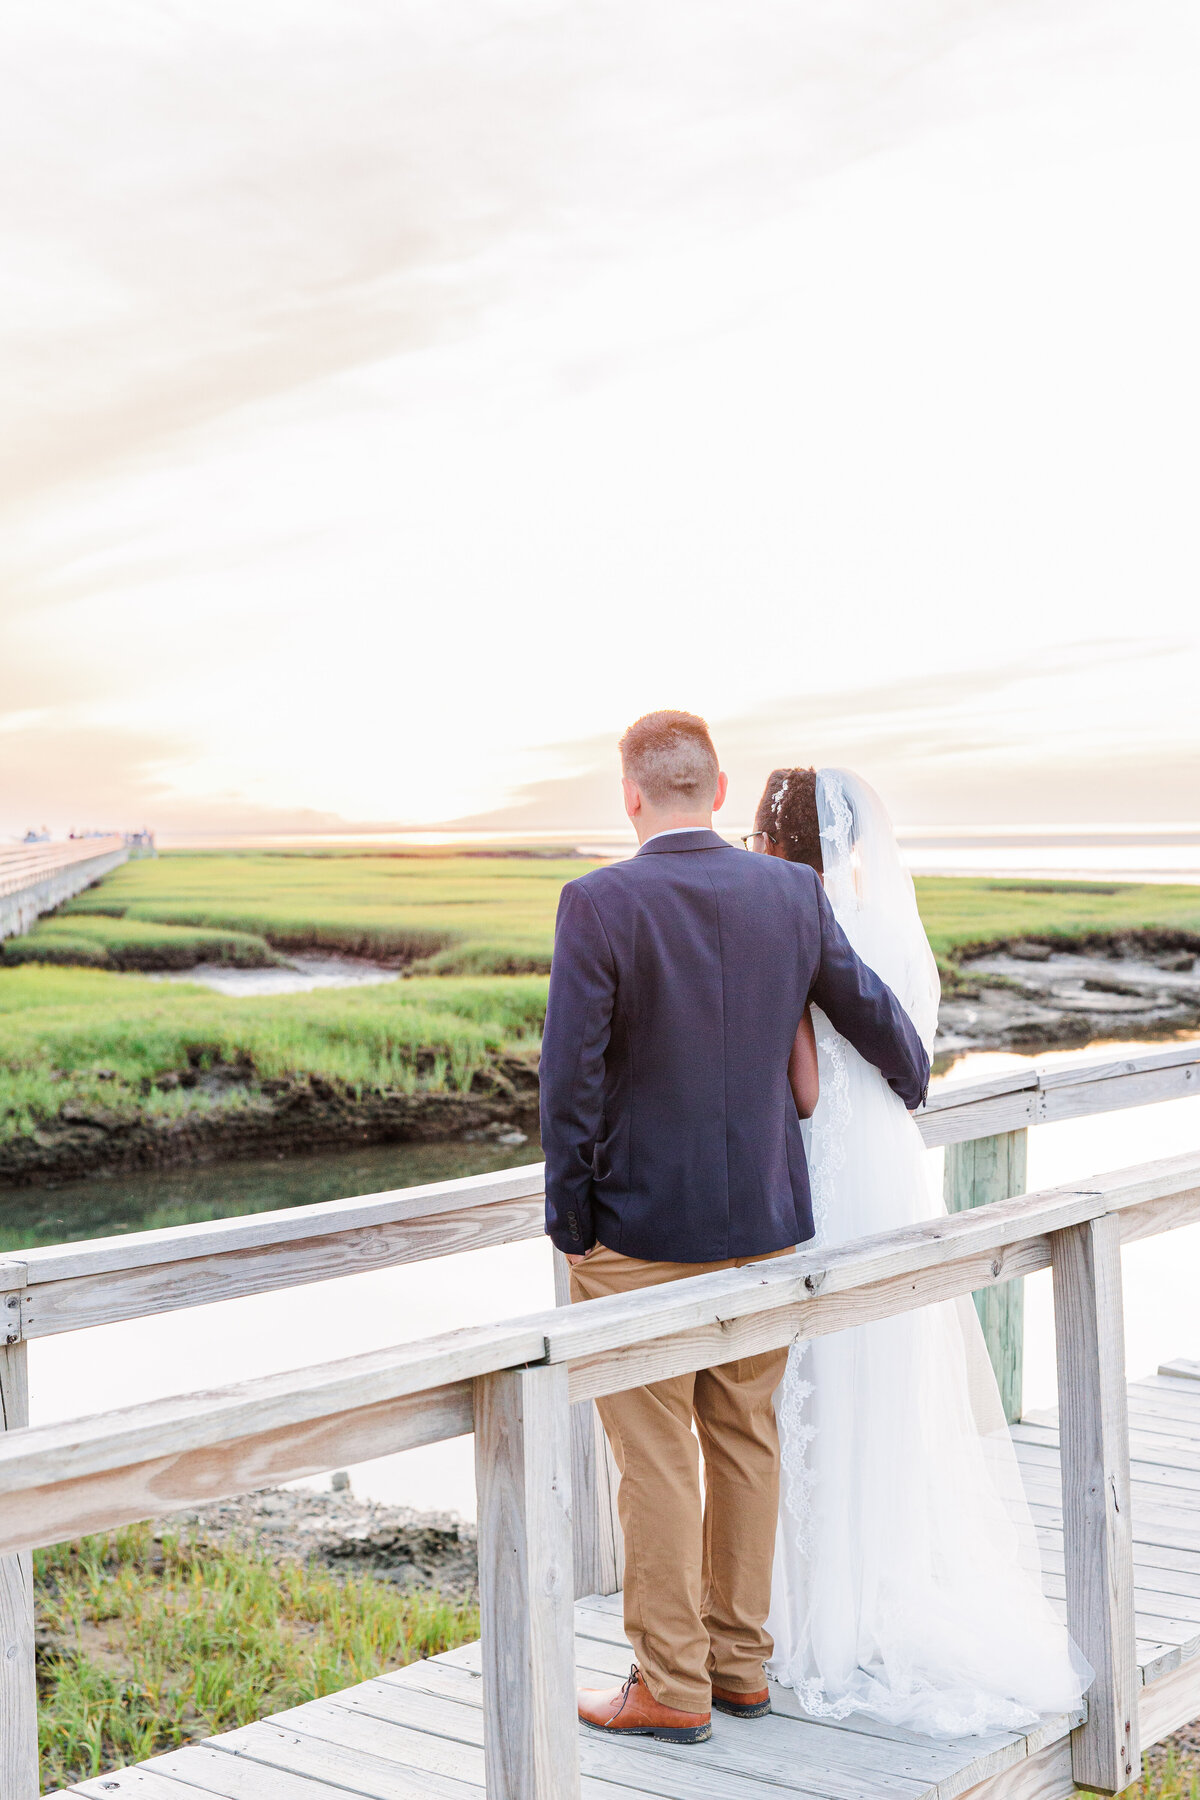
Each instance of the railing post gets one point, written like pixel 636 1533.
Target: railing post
pixel 983 1169
pixel 1089 1330
pixel 18 1680
pixel 599 1544
pixel 523 1480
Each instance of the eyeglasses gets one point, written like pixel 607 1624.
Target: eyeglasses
pixel 749 838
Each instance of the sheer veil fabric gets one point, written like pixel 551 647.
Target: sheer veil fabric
pixel 907 1578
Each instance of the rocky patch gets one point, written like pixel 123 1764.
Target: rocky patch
pixel 1034 994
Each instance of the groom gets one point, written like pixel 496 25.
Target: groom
pixel 672 1149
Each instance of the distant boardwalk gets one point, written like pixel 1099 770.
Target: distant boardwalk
pixel 35 878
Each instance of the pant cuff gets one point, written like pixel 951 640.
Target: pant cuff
pixel 667 1693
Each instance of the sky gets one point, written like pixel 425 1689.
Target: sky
pixel 403 395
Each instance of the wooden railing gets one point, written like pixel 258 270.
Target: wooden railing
pixel 515 1385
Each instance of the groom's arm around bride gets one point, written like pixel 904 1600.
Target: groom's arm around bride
pixel 672 1147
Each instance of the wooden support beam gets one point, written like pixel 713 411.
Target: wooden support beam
pixel 18 1686
pixel 526 1565
pixel 599 1543
pixel 977 1172
pixel 1097 1523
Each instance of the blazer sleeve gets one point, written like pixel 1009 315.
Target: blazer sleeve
pixel 579 1010
pixel 866 1012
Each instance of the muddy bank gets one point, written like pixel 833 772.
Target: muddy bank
pixel 1035 994
pixel 241 1115
pixel 1025 995
pixel 414 1550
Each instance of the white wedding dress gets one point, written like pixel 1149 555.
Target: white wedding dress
pixel 907 1582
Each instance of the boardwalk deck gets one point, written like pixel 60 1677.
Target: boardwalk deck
pixel 417 1733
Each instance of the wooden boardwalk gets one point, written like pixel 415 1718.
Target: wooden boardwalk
pixel 1121 1548
pixel 417 1734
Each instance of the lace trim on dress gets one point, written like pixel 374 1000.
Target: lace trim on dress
pixel 797 1431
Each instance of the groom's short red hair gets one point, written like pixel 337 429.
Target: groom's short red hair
pixel 670 756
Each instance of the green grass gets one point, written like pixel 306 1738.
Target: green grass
pixel 97 940
pixel 87 1038
pixel 80 1039
pixel 964 912
pixel 1169 1774
pixel 156 1644
pixel 454 914
pixel 447 914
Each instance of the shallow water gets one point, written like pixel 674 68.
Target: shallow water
pixel 152 1200
pixel 146 1358
pixel 301 975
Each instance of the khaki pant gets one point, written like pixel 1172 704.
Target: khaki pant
pixel 697 1581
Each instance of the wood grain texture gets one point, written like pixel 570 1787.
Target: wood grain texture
pixel 724 1339
pixel 286 1225
pixel 1097 1516
pixel 137 1783
pixel 977 1172
pixel 156 1428
pixel 526 1584
pixel 1173 1701
pixel 1046 1775
pixel 955 1113
pixel 81 1301
pixel 342 1765
pixel 18 1684
pixel 141 1489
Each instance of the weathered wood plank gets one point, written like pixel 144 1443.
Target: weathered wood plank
pixel 830 1759
pixel 113 1496
pixel 689 1773
pixel 1173 1701
pixel 977 1172
pixel 205 1767
pixel 210 1417
pixel 1183 1369
pixel 1089 1333
pixel 657 1358
pixel 344 1765
pixel 526 1586
pixel 342 1721
pixel 86 1300
pixel 360 1754
pixel 18 1684
pixel 286 1225
pixel 134 1783
pixel 1043 1776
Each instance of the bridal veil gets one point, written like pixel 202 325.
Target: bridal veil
pixel 907 1579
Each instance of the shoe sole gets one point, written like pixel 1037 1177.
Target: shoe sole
pixel 758 1711
pixel 667 1734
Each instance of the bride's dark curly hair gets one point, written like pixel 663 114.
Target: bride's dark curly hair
pixel 787 812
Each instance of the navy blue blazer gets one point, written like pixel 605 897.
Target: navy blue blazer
pixel 678 984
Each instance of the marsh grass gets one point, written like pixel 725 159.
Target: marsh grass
pixel 961 913
pixel 155 1643
pixel 83 1041
pixel 96 940
pixel 446 914
pixel 452 914
pixel 481 928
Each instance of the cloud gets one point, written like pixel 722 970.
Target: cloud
pixel 79 776
pixel 945 748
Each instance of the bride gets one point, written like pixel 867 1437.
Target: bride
pixel 907 1582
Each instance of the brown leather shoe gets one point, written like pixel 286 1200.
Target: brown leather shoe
pixel 632 1711
pixel 742 1706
